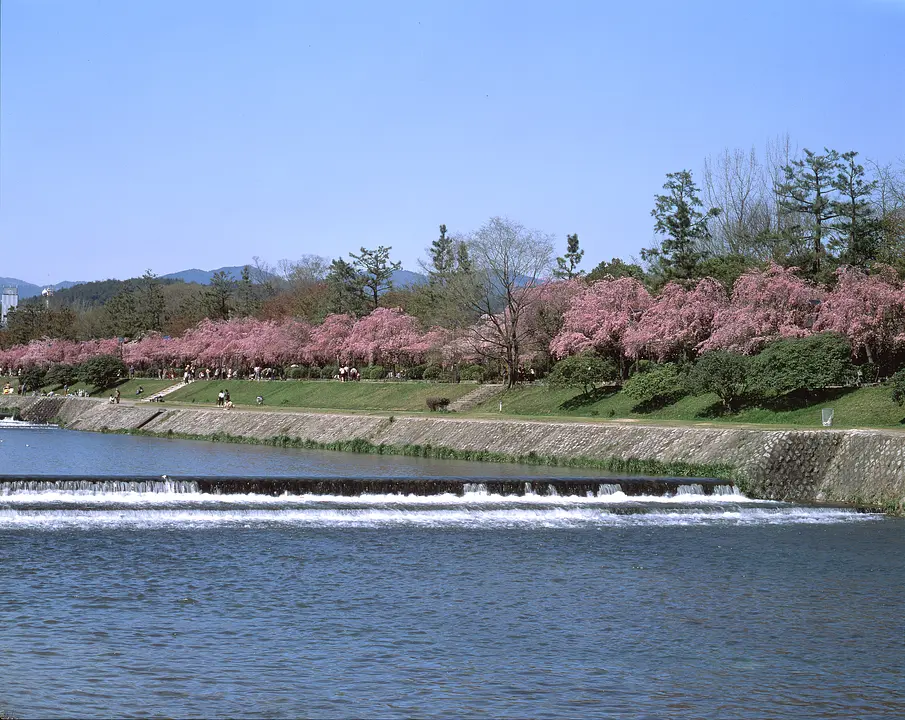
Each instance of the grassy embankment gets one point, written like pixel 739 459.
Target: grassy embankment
pixel 854 407
pixel 127 388
pixel 407 396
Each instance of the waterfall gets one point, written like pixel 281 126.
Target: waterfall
pixel 97 487
pixel 690 489
pixel 608 489
pixel 725 490
pixel 474 489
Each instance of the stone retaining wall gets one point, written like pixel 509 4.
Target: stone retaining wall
pixel 852 466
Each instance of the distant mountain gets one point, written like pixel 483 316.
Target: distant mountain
pixel 401 279
pixel 203 277
pixel 27 289
pixel 406 279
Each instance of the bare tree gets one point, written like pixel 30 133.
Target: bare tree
pixel 734 182
pixel 509 263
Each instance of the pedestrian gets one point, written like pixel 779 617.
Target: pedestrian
pixel 117 396
pixel 220 399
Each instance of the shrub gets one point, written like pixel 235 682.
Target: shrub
pixel 437 403
pixel 724 373
pixel 298 373
pixel 32 379
pixel 659 385
pixel 328 372
pixel 583 371
pixel 897 381
pixel 374 372
pixel 62 374
pixel 102 371
pixel 809 363
pixel 432 372
pixel 415 373
pixel 472 372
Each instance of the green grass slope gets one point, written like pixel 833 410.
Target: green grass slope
pixel 854 407
pixel 322 394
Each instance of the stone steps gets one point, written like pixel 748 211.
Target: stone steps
pixel 166 391
pixel 479 395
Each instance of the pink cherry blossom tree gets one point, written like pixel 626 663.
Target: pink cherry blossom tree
pixel 599 317
pixel 869 310
pixel 765 305
pixel 678 321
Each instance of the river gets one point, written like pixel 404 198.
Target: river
pixel 184 604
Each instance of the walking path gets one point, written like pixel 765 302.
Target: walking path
pixel 165 391
pixel 476 397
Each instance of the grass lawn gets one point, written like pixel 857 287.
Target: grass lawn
pixel 127 388
pixel 854 407
pixel 322 394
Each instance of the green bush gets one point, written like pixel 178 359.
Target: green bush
pixel 809 363
pixel 32 379
pixel 374 372
pixel 102 371
pixel 471 372
pixel 432 372
pixel 659 385
pixel 61 374
pixel 583 371
pixel 726 374
pixel 416 372
pixel 299 373
pixel 328 372
pixel 897 382
pixel 437 403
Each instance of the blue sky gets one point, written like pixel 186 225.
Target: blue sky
pixel 167 135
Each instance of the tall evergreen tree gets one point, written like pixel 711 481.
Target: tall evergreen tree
pixel 859 229
pixel 247 296
pixel 218 296
pixel 442 258
pixel 683 226
pixel 376 270
pixel 567 267
pixel 345 288
pixel 806 198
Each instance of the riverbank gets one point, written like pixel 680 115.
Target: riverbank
pixel 858 467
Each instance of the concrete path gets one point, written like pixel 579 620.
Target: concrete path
pixel 164 392
pixel 479 395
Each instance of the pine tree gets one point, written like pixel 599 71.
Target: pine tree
pixel 567 267
pixel 442 258
pixel 858 225
pixel 345 287
pixel 683 226
pixel 807 194
pixel 376 270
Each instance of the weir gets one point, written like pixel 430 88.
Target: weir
pixel 354 486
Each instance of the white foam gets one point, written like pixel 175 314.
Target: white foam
pixel 548 517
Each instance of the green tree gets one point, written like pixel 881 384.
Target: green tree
pixel 102 371
pixel 153 301
pixel 617 268
pixel 218 296
pixel 376 270
pixel 583 371
pixel 345 288
pixel 683 226
pixel 246 295
pixel 567 266
pixel 657 386
pixel 803 364
pixel 806 200
pixel 858 241
pixel 32 379
pixel 62 374
pixel 725 374
pixel 442 255
pixel 897 383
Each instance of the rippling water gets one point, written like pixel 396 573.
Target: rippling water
pixel 190 605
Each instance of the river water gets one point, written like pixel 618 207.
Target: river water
pixel 179 604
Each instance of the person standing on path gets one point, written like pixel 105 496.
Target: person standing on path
pixel 117 396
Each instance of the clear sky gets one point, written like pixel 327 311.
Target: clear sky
pixel 167 134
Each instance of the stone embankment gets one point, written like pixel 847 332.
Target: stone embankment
pixel 864 467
